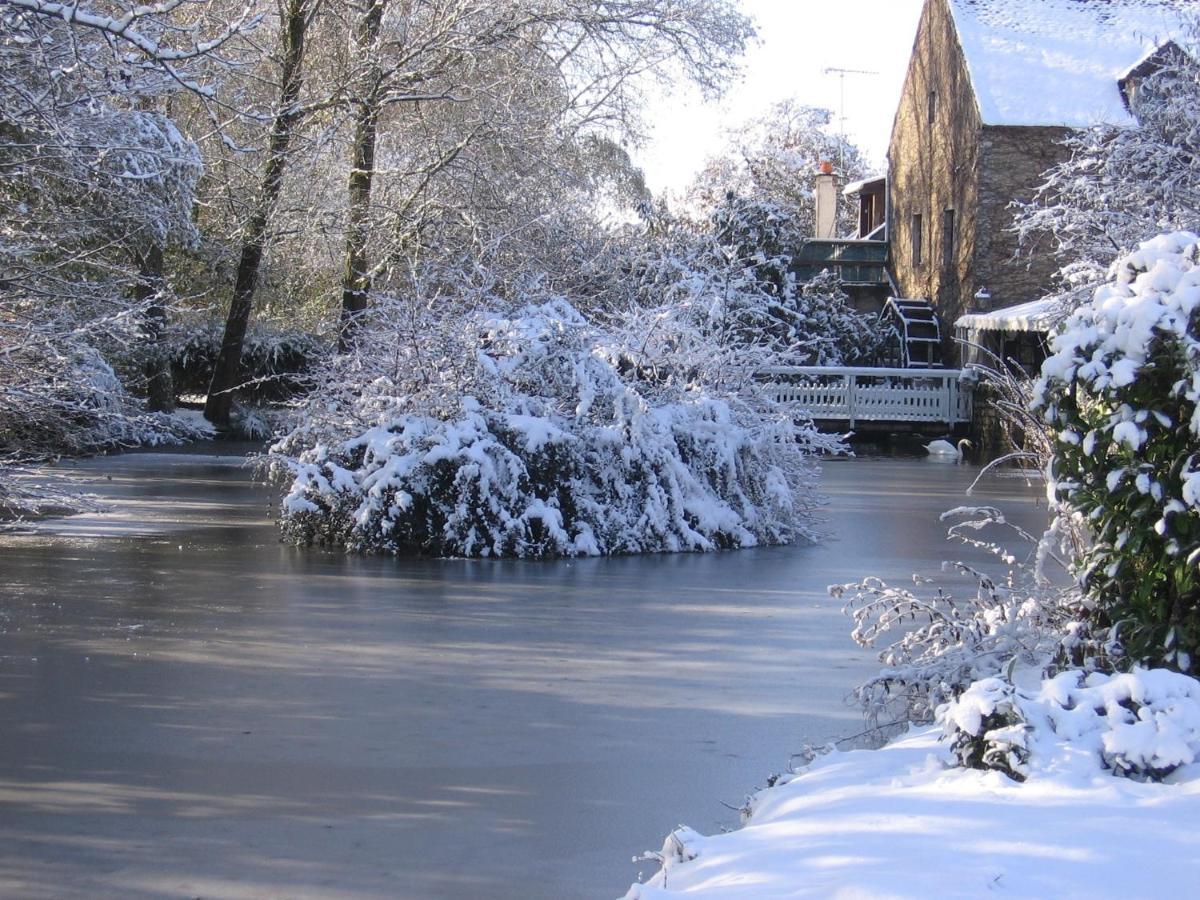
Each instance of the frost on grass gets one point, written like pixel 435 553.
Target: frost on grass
pixel 537 434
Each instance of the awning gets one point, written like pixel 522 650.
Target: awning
pixel 1036 315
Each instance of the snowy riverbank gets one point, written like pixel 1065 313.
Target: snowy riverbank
pixel 903 822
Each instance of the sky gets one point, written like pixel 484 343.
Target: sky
pixel 798 40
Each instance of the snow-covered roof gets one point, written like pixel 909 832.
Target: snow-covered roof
pixel 855 186
pixel 1058 62
pixel 1036 315
pixel 1147 59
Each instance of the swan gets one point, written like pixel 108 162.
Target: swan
pixel 945 448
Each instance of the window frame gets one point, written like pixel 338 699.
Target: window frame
pixel 949 238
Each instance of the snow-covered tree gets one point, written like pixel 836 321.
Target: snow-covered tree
pixel 498 91
pixel 439 129
pixel 96 182
pixel 810 323
pixel 1122 184
pixel 748 213
pixel 772 159
pixel 295 19
pixel 730 277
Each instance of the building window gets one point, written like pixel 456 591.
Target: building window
pixel 917 240
pixel 932 106
pixel 948 239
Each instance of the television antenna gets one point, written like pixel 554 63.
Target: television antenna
pixel 841 74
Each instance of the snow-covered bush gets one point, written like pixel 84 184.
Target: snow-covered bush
pixel 1121 391
pixel 987 728
pixel 934 643
pixel 59 396
pixel 534 433
pixel 59 393
pixel 751 210
pixel 1142 724
pixel 276 361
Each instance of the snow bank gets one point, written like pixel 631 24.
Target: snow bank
pixel 903 821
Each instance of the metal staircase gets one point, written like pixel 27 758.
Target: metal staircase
pixel 920 333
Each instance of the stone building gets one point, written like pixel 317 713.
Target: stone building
pixel 991 90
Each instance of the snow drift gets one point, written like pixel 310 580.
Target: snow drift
pixel 909 821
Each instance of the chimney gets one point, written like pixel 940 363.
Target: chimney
pixel 825 189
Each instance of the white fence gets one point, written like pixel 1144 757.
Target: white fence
pixel 874 395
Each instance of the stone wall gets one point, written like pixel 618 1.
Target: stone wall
pixel 933 164
pixel 1013 161
pixel 987 424
pixel 954 161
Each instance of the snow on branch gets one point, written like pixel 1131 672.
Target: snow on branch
pixel 933 643
pixel 128 28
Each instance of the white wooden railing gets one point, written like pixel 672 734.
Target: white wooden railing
pixel 874 395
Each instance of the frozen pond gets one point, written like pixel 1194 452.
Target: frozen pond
pixel 191 709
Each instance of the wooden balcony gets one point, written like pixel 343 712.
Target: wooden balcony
pixel 856 262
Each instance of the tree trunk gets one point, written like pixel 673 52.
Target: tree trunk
pixel 356 280
pixel 227 371
pixel 148 292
